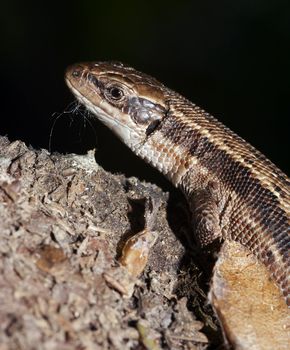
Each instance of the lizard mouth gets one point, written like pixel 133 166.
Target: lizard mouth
pixel 95 109
pixel 113 118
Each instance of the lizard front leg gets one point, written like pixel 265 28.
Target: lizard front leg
pixel 205 209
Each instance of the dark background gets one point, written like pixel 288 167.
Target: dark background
pixel 230 57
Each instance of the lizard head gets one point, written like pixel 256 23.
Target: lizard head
pixel 130 103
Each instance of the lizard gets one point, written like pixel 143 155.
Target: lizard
pixel 234 192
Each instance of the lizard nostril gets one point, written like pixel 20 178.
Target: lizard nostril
pixel 76 73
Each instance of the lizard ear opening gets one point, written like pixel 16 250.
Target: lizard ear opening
pixel 145 113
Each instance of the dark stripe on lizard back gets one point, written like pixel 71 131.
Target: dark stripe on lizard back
pixel 264 204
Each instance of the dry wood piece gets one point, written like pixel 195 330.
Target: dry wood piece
pixel 63 221
pixel 252 311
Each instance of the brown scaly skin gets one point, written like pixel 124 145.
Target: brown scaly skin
pixel 234 192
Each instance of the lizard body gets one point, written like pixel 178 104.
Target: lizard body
pixel 234 192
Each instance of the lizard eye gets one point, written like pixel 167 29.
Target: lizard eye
pixel 114 93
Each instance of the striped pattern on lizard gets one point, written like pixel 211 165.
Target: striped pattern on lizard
pixel 234 192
